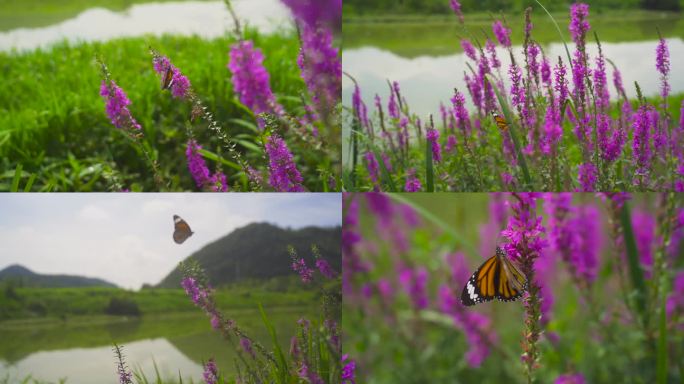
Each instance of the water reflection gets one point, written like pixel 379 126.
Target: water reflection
pixel 426 81
pixel 90 365
pixel 207 19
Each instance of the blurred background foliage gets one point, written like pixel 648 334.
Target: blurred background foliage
pixel 596 332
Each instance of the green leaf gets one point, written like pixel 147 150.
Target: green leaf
pixel 661 363
pixel 17 177
pixel 567 51
pixel 635 272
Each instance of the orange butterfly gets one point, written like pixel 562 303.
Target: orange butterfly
pixel 167 79
pixel 497 278
pixel 500 122
pixel 181 230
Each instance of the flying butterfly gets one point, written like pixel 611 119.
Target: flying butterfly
pixel 181 230
pixel 500 122
pixel 167 79
pixel 497 278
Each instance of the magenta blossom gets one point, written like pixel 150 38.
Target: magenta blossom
pixel 116 106
pixel 663 66
pixel 179 84
pixel 200 172
pixel 579 22
pixel 305 273
pixel 348 370
pixel 432 136
pixel 210 372
pixel 412 182
pixel 414 282
pixel 321 68
pixel 503 34
pixel 315 13
pixel 325 268
pixel 251 79
pixel 284 176
pixel 570 379
pixel 586 175
pixel 456 7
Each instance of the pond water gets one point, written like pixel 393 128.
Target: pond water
pixel 208 19
pixel 83 353
pixel 425 81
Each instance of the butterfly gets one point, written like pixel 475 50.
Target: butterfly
pixel 497 278
pixel 167 79
pixel 182 230
pixel 500 122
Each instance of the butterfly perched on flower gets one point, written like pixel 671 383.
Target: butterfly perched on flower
pixel 500 122
pixel 497 278
pixel 181 230
pixel 167 78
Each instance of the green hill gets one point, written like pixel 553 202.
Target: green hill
pixel 23 277
pixel 259 251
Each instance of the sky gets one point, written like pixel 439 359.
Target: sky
pixel 126 238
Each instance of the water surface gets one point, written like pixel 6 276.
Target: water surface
pixel 208 19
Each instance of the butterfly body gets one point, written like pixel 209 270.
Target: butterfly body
pixel 181 230
pixel 500 122
pixel 497 278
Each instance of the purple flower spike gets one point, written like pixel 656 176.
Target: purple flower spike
pixel 586 175
pixel 503 34
pixel 284 176
pixel 210 372
pixel 468 49
pixel 579 22
pixel 321 68
pixel 570 379
pixel 432 136
pixel 179 83
pixel 200 172
pixel 412 182
pixel 663 66
pixel 116 106
pixel 251 79
pixel 325 268
pixel 348 370
pixel 306 273
pixel 456 7
pixel 316 12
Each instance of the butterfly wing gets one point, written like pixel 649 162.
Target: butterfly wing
pixel 181 230
pixel 497 278
pixel 480 286
pixel 167 79
pixel 500 122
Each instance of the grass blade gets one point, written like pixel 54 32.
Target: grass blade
pixel 635 272
pixel 17 177
pixel 516 144
pixel 661 363
pixel 567 51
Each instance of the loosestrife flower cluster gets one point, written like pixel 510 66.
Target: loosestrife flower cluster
pixel 200 172
pixel 284 175
pixel 117 106
pixel 545 99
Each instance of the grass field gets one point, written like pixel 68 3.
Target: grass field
pixel 51 304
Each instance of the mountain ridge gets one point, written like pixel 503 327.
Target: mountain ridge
pixel 20 275
pixel 259 251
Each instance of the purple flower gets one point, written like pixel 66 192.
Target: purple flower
pixel 641 143
pixel 284 176
pixel 179 83
pixel 412 182
pixel 560 82
pixel 585 226
pixel 469 49
pixel 618 198
pixel 359 107
pixel 325 268
pixel 524 228
pixel 460 112
pixel 316 12
pixel 601 83
pixel 116 106
pixel 491 48
pixel 432 136
pixel 251 79
pixel 586 175
pixel 414 283
pixel 579 22
pixel 517 89
pixel 246 345
pixel 570 379
pixel 578 72
pixel 456 7
pixel 532 63
pixel 617 82
pixel 305 273
pixel 348 370
pixel 200 172
pixel 450 144
pixel 372 166
pixel 644 225
pixel 503 34
pixel 210 372
pixel 663 66
pixel 546 71
pixel 610 139
pixel 392 107
pixel 552 129
pixel 197 293
pixel 321 68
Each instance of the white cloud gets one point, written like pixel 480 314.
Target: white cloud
pixel 93 213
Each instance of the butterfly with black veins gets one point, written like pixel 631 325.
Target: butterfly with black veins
pixel 500 122
pixel 181 230
pixel 497 278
